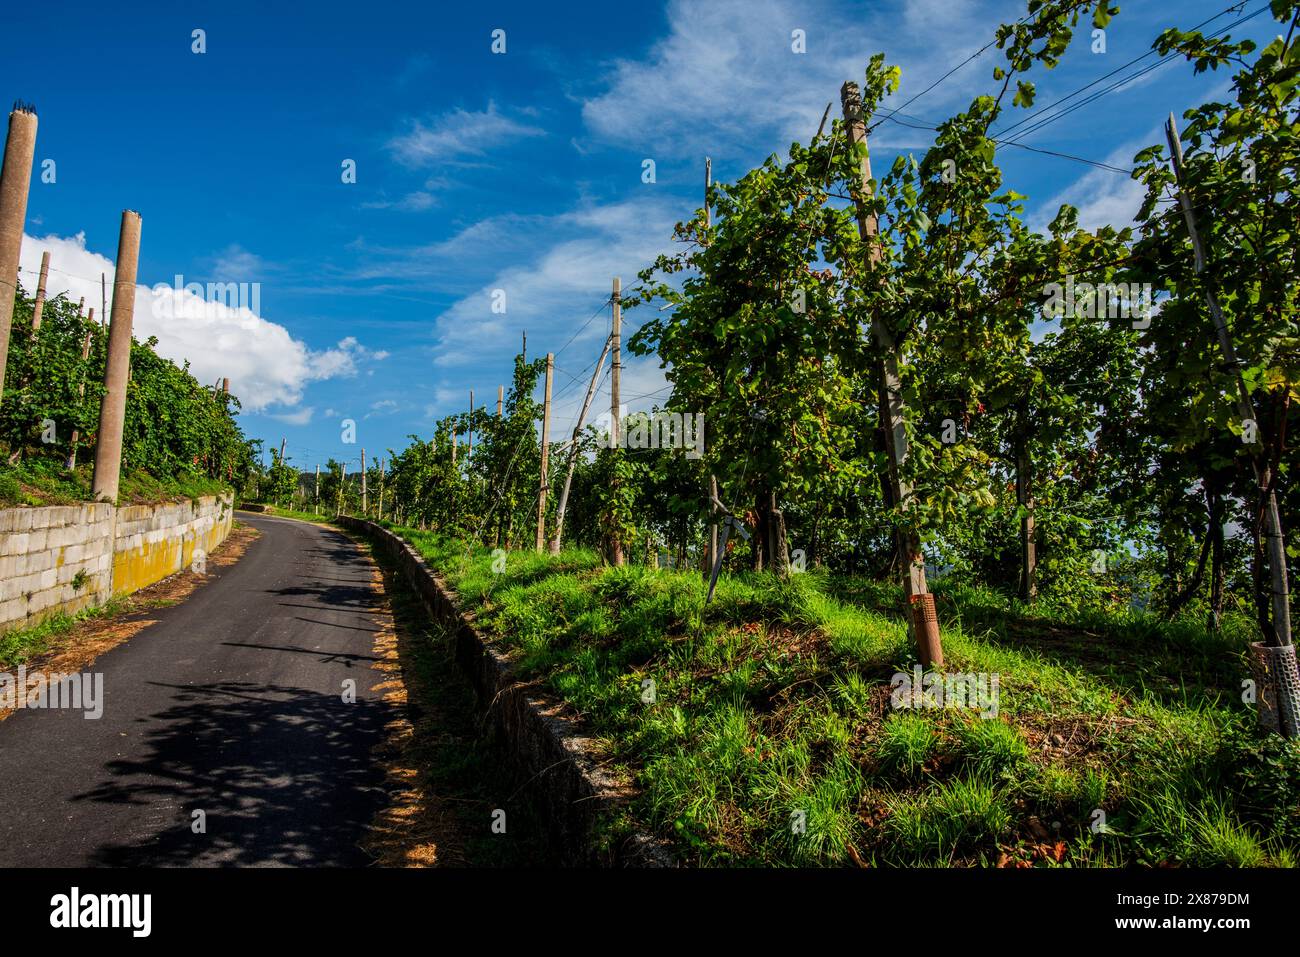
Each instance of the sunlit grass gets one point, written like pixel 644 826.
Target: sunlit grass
pixel 759 728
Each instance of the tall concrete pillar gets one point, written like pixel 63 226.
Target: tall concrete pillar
pixel 39 306
pixel 117 368
pixel 15 179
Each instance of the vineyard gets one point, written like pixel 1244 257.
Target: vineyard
pixel 180 438
pixel 960 532
pixel 933 442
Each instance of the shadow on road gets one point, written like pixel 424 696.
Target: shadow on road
pixel 284 777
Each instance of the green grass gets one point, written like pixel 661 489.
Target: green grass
pixel 21 646
pixel 39 482
pixel 770 739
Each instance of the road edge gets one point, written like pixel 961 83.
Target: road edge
pixel 562 765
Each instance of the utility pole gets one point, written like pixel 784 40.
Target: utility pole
pixel 573 449
pixel 364 513
pixel 103 299
pixel 615 426
pixel 15 181
pixel 708 182
pixel 315 508
pixel 1279 636
pixel 280 460
pixel 469 432
pixel 501 398
pixel 706 566
pixel 381 489
pixel 117 367
pixel 39 306
pixel 546 451
pixel 925 623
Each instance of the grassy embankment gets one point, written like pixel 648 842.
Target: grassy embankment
pixel 771 739
pixel 41 482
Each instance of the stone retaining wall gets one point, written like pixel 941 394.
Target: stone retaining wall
pixel 561 764
pixel 66 558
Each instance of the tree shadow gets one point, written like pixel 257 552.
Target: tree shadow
pixel 1173 663
pixel 359 596
pixel 284 776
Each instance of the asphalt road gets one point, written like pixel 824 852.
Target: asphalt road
pixel 231 704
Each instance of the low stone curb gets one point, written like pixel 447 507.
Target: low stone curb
pixel 561 765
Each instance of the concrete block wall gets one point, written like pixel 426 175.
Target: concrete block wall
pixel 66 558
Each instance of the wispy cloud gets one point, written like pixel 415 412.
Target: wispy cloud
pixel 300 417
pixel 553 292
pixel 726 76
pixel 414 202
pixel 237 264
pixel 457 136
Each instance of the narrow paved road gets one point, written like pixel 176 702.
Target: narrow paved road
pixel 232 704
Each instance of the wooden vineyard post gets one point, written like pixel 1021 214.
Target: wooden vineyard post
pixel 38 308
pixel 615 426
pixel 546 449
pixel 707 564
pixel 925 625
pixel 1283 661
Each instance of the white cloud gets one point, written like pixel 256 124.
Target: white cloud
pixel 1103 197
pixel 237 264
pixel 301 417
pixel 416 202
pixel 725 75
pixel 456 135
pixel 266 365
pixel 1106 198
pixel 551 295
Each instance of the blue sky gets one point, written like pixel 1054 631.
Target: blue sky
pixel 478 171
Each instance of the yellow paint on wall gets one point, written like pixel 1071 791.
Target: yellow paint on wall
pixel 137 568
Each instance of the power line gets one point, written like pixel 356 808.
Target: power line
pixel 1023 146
pixel 584 326
pixel 973 56
pixel 1032 127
